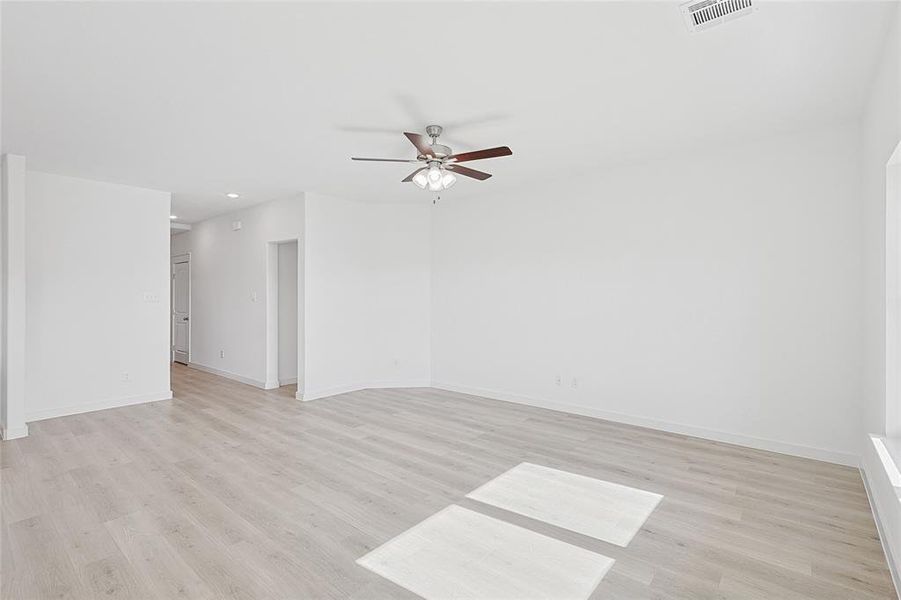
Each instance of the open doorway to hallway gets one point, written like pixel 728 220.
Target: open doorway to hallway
pixel 283 363
pixel 244 296
pixel 287 313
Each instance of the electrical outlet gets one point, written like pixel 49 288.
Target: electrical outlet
pixel 558 380
pixel 575 383
pixel 126 377
pixel 222 354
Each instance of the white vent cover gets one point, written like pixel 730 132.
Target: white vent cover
pixel 703 14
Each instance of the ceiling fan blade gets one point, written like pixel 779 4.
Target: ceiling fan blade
pixel 467 172
pixel 403 160
pixel 480 154
pixel 412 175
pixel 421 142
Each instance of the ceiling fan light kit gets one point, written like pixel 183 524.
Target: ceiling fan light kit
pixel 441 166
pixel 435 178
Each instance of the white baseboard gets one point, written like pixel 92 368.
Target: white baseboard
pixel 841 458
pixel 233 376
pixel 76 409
pixel 881 480
pixel 290 381
pixel 332 391
pixel 13 433
pixel 880 528
pixel 369 385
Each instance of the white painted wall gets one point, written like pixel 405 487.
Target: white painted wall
pixel 716 294
pixel 13 308
pixel 881 132
pixel 97 278
pixel 366 295
pixel 881 406
pixel 287 312
pixel 228 285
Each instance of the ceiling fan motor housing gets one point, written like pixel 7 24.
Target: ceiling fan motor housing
pixel 439 150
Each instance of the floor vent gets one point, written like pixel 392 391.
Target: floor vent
pixel 704 14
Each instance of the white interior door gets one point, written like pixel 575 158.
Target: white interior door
pixel 181 311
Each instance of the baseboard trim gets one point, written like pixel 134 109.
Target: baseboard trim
pixel 880 529
pixel 831 456
pixel 289 381
pixel 13 433
pixel 369 385
pixel 64 411
pixel 229 375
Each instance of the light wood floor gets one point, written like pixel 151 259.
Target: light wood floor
pixel 231 492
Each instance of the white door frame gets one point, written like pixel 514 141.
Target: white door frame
pixel 178 259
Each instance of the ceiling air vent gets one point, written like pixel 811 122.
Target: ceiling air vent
pixel 703 14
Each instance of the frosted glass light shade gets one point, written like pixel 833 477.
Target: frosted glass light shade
pixel 448 179
pixel 420 180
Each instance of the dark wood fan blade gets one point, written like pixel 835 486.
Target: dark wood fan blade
pixel 412 175
pixel 421 142
pixel 480 154
pixel 403 160
pixel 467 172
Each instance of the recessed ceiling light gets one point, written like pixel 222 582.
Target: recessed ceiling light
pixel 232 195
pixel 172 217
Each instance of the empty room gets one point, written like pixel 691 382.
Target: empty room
pixel 486 300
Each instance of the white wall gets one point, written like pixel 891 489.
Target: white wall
pixel 287 312
pixel 880 136
pixel 228 285
pixel 97 280
pixel 716 294
pixel 366 295
pixel 12 297
pixel 881 132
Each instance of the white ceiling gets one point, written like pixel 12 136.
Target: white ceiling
pixel 271 99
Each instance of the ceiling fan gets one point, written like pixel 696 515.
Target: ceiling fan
pixel 440 164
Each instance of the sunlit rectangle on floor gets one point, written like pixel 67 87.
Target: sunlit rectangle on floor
pixel 600 509
pixel 458 554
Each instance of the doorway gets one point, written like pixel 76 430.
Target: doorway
pixel 181 309
pixel 287 313
pixel 284 297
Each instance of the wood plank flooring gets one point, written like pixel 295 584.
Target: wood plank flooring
pixel 228 491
